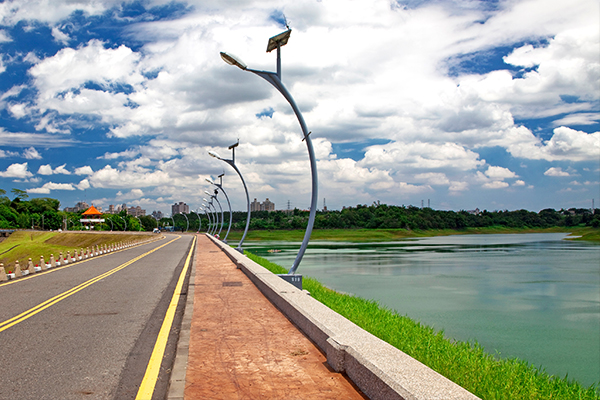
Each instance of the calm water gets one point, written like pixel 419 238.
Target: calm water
pixel 532 296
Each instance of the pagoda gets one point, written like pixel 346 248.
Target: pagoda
pixel 90 217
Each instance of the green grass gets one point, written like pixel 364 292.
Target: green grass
pixel 21 245
pixel 467 364
pixel 381 235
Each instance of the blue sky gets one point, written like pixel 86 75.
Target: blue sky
pixel 467 104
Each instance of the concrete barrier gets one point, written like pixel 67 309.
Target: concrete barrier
pixel 380 370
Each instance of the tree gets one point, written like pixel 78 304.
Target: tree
pixel 20 194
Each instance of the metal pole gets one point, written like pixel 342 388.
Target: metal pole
pixel 274 80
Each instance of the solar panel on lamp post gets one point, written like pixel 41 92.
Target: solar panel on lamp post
pixel 232 163
pixel 274 78
pixel 220 186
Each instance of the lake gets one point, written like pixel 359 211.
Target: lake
pixel 531 296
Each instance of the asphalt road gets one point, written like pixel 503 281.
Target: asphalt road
pixel 94 343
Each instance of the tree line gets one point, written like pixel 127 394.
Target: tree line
pixel 43 213
pixel 383 216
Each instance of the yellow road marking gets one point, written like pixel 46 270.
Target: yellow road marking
pixel 151 376
pixel 48 303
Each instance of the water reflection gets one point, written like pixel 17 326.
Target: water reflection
pixel 533 296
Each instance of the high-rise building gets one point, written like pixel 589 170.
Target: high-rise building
pixel 136 211
pixel 82 205
pixel 180 208
pixel 255 205
pixel 157 214
pixel 267 205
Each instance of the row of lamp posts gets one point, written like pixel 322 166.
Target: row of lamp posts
pixel 274 78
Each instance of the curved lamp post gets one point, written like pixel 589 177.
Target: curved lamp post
pixel 124 222
pixel 199 221
pixel 274 78
pixel 214 196
pixel 205 209
pixel 187 227
pixel 111 224
pixel 215 220
pixel 220 186
pixel 232 163
pixel 138 218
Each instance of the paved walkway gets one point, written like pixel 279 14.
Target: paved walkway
pixel 242 347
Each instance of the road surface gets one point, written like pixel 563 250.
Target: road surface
pixel 87 331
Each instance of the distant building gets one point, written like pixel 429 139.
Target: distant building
pixel 267 205
pixel 157 214
pixel 180 208
pixel 255 205
pixel 136 211
pixel 82 205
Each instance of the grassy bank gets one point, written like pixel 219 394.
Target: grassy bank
pixel 467 364
pixel 24 244
pixel 381 235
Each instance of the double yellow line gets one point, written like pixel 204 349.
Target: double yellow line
pixel 50 302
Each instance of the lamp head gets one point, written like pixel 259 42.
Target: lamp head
pixel 207 192
pixel 214 154
pixel 233 60
pixel 209 181
pixel 204 200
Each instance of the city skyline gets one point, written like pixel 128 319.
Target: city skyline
pixel 489 105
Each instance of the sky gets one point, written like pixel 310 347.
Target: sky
pixel 454 104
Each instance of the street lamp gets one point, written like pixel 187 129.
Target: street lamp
pixel 205 209
pixel 199 221
pixel 274 78
pixel 215 220
pixel 187 221
pixel 124 229
pixel 232 163
pixel 221 208
pixel 220 186
pixel 138 218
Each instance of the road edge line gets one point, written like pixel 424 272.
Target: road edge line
pixel 146 389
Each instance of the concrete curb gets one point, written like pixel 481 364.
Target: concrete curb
pixel 380 370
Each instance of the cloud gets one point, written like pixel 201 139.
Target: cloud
pixel 48 187
pixel 38 139
pixel 133 194
pixel 85 170
pixel 47 170
pixel 6 154
pixel 31 154
pixel 16 171
pixel 83 184
pixel 499 173
pixel 495 185
pixel 556 172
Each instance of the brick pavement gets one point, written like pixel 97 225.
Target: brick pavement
pixel 242 347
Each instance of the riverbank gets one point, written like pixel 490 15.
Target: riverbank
pixel 382 235
pixel 465 363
